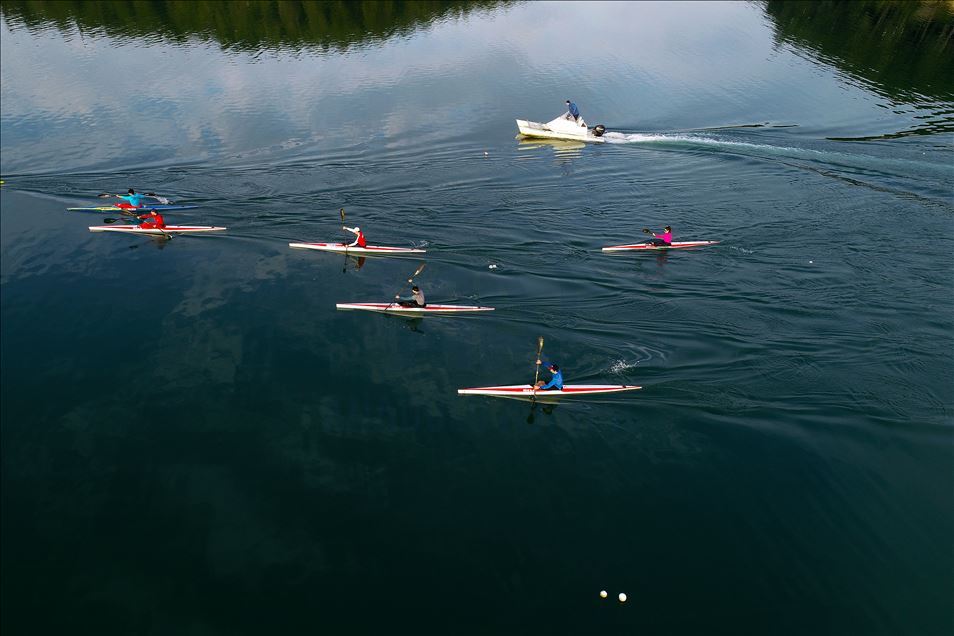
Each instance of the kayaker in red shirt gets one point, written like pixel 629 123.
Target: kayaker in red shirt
pixel 660 239
pixel 155 221
pixel 358 242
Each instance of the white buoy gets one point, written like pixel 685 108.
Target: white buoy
pixel 603 594
pixel 810 262
pixel 622 597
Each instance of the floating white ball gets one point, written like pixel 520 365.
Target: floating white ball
pixel 603 594
pixel 622 597
pixel 810 262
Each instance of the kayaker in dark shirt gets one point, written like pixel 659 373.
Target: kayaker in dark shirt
pixel 416 299
pixel 556 380
pixel 155 221
pixel 572 110
pixel 660 239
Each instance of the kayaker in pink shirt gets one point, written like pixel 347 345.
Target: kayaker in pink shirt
pixel 660 239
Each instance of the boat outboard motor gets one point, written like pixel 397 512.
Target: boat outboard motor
pixel 599 129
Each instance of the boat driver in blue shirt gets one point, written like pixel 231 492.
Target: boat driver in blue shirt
pixel 572 111
pixel 556 381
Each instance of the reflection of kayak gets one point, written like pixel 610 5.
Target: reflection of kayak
pixel 143 210
pixel 675 245
pixel 562 128
pixel 370 250
pixel 169 229
pixel 394 308
pixel 526 392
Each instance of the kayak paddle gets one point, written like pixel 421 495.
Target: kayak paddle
pixel 409 281
pixel 342 215
pixel 106 195
pixel 124 213
pixel 536 375
pixel 160 199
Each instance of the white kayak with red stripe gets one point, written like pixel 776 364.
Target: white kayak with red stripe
pixel 527 392
pixel 394 308
pixel 370 250
pixel 169 229
pixel 675 245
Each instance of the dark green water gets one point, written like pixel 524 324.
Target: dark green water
pixel 195 442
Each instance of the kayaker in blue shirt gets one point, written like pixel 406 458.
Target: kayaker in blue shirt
pixel 556 380
pixel 132 199
pixel 573 110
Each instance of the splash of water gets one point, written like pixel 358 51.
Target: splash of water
pixel 619 366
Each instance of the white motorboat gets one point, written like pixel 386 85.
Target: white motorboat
pixel 563 127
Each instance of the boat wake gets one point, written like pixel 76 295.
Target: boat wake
pixel 709 142
pixel 870 169
pixel 697 140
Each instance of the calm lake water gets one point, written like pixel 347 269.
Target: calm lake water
pixel 194 441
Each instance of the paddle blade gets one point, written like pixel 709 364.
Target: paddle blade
pixel 341 212
pixel 418 271
pixel 536 367
pixel 103 195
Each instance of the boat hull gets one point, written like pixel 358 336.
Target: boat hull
pixel 646 247
pixel 429 310
pixel 370 250
pixel 169 229
pixel 142 210
pixel 527 393
pixel 543 131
